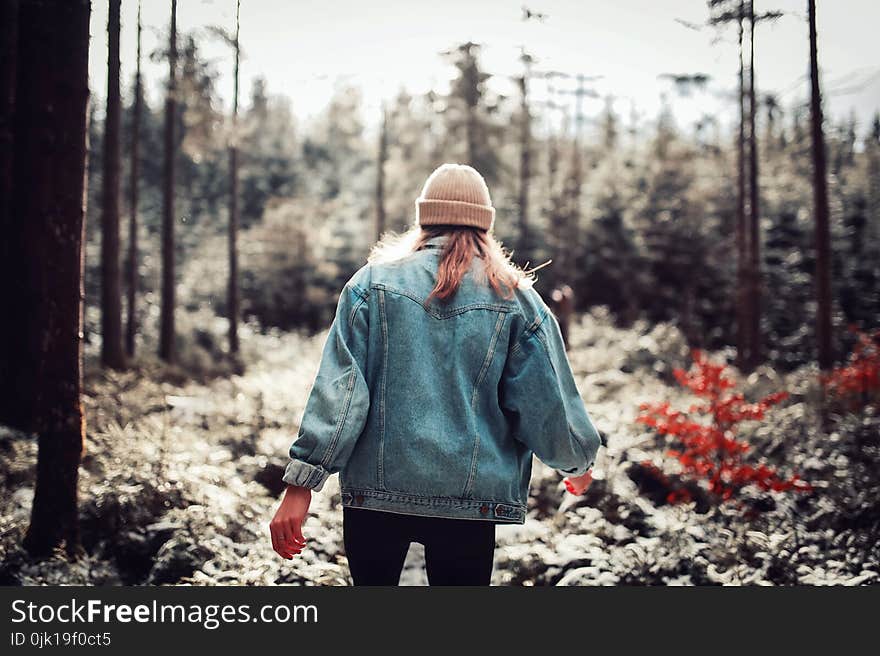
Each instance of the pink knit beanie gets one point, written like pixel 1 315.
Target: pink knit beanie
pixel 455 194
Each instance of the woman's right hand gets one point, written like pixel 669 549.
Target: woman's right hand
pixel 286 526
pixel 578 484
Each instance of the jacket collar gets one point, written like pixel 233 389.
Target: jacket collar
pixel 436 242
pixel 439 241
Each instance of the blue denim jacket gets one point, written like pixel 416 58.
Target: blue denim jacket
pixel 436 410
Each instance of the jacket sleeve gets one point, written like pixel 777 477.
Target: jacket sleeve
pixel 541 400
pixel 338 403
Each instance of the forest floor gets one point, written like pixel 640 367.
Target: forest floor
pixel 180 479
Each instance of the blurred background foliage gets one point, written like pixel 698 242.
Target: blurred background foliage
pixel 648 232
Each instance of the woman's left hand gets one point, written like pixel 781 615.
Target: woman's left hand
pixel 578 484
pixel 286 527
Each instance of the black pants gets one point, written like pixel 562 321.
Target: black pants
pixel 457 551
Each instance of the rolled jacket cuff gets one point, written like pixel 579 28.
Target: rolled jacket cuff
pixel 303 474
pixel 573 473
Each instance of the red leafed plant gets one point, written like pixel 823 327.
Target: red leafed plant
pixel 857 383
pixel 704 436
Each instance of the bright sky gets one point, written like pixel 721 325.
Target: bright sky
pixel 306 47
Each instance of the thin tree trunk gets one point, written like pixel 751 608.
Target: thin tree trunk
pixel 742 295
pixel 688 301
pixel 167 337
pixel 472 99
pixel 380 174
pixel 233 301
pixel 47 236
pixel 820 198
pixel 525 154
pixel 111 295
pixel 754 209
pixel 552 145
pixel 471 129
pixel 131 327
pixel 571 217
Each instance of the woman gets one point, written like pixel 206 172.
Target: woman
pixel 443 372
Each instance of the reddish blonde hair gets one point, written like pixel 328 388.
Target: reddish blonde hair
pixel 463 245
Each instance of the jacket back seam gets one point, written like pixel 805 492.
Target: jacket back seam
pixel 529 331
pixel 487 361
pixel 499 324
pixel 382 391
pixel 498 307
pixel 343 417
pixel 543 339
pixel 362 298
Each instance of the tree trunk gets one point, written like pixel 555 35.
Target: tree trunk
pixel 688 300
pixel 380 174
pixel 45 235
pixel 111 299
pixel 233 300
pixel 754 210
pixel 166 336
pixel 8 46
pixel 525 154
pixel 742 294
pixel 571 214
pixel 471 128
pixel 820 198
pixel 8 57
pixel 131 327
pixel 23 249
pixel 552 161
